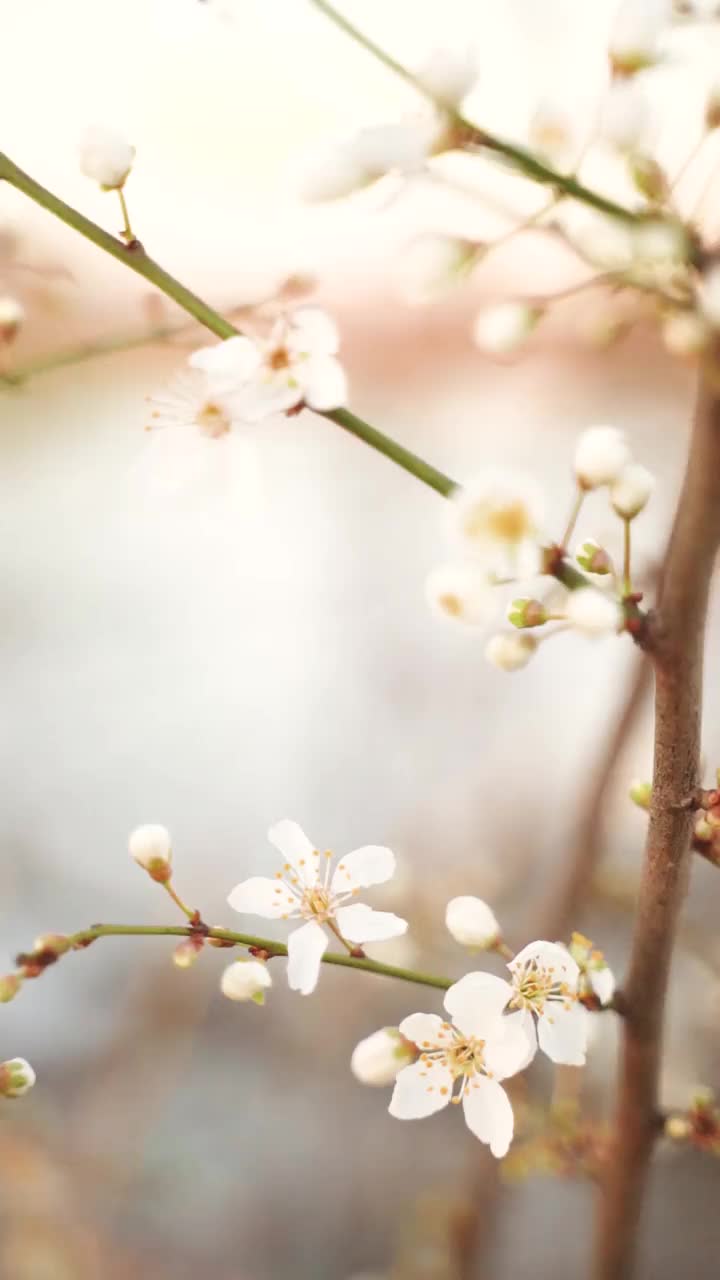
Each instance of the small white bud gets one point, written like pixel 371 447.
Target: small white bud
pixel 593 612
pixel 624 115
pixel 448 75
pixel 685 333
pixel 472 923
pixel 377 1059
pixel 648 177
pixel 16 1078
pixel 430 265
pixel 106 157
pixel 461 591
pixel 12 315
pixel 246 980
pixel 631 491
pixel 503 328
pixel 600 456
pixel 635 38
pixel 510 650
pixel 593 558
pixel 151 848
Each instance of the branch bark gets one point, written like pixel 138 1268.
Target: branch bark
pixel 676 633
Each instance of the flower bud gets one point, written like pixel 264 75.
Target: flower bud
pixel 16 1078
pixel 678 1128
pixel 448 75
pixel 461 591
pixel 151 848
pixel 593 558
pixel 377 1059
pixel 624 115
pixel 527 613
pixel 12 315
pixel 552 135
pixel 636 33
pixel 503 328
pixel 632 490
pixel 510 651
pixel 246 980
pixel 52 944
pixel 648 177
pixel 106 157
pixel 600 456
pixel 703 830
pixel 593 612
pixel 472 923
pixel 10 984
pixel 640 793
pixel 187 952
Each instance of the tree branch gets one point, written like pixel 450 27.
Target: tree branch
pixel 676 635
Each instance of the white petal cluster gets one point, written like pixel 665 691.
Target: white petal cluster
pixel 600 456
pixel 106 156
pixel 246 980
pixel 308 889
pixel 378 1059
pixel 151 848
pixel 594 612
pixel 552 134
pixel 632 490
pixel 460 591
pixel 497 514
pixel 16 1078
pixel 472 922
pixel 449 75
pixel 342 168
pixel 637 32
pixel 510 650
pixel 502 328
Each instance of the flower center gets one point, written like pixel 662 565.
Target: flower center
pixel 213 420
pixel 465 1058
pixel 534 987
pixel 316 904
pixel 451 603
pixel 507 523
pixel 278 359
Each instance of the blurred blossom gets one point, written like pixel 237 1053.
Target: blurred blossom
pixel 430 265
pixel 624 115
pixel 449 74
pixel 593 612
pixel 461 591
pixel 106 156
pixel 502 328
pixel 510 651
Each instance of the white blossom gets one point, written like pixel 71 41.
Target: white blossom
pixel 505 326
pixel 631 491
pixel 12 315
pixel 378 1059
pixel 552 134
pixel 497 515
pixel 151 847
pixel 595 973
pixel 710 296
pixel 594 612
pixel 600 456
pixel 190 401
pixel 16 1078
pixel 460 590
pixel 624 115
pixel 510 650
pixel 478 1050
pixel 296 365
pixel 685 333
pixel 342 168
pixel 449 75
pixel 106 156
pixel 472 922
pixel 636 34
pixel 308 889
pixel 246 980
pixel 431 264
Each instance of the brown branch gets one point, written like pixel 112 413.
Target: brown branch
pixel 676 638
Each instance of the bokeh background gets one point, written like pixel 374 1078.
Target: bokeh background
pixel 217 634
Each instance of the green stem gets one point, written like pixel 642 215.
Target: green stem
pixel 410 462
pixel 519 158
pixel 127 232
pixel 627 556
pixel 86 936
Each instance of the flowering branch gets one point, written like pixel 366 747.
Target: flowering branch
pixel 677 630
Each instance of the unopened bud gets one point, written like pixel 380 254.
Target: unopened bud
pixel 377 1059
pixel 151 848
pixel 10 984
pixel 472 923
pixel 678 1128
pixel 12 314
pixel 106 157
pixel 509 651
pixel 187 952
pixel 648 177
pixel 52 944
pixel 16 1078
pixel 246 980
pixel 527 613
pixel 632 490
pixel 220 942
pixel 702 830
pixel 600 456
pixel 501 329
pixel 593 558
pixel 641 793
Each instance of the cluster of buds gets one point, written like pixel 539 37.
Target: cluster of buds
pixel 699 1126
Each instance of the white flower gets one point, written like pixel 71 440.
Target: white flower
pixel 461 591
pixel 378 1059
pixel 498 513
pixel 510 650
pixel 12 315
pixel 504 327
pixel 16 1078
pixel 631 491
pixel 305 889
pixel 595 974
pixel 431 264
pixel 448 75
pixel 685 333
pixel 710 296
pixel 600 455
pixel 593 612
pixel 151 847
pixel 246 980
pixel 342 168
pixel 635 38
pixel 189 401
pixel 552 135
pixel 660 243
pixel 472 923
pixel 477 1051
pixel 296 365
pixel 624 115
pixel 106 156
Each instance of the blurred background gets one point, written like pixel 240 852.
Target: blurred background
pixel 218 634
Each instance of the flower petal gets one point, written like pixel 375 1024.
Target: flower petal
pixel 228 364
pixel 263 396
pixel 426 1030
pixel 563 1034
pixel 420 1090
pixel 602 982
pixel 306 947
pixel 290 840
pixel 525 1022
pixel 363 867
pixel 476 1002
pixel 261 896
pixel 511 1047
pixel 323 382
pixel 488 1114
pixel 547 955
pixel 359 923
pixel 310 329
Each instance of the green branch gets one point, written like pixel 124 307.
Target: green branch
pixel 80 940
pixel 519 158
